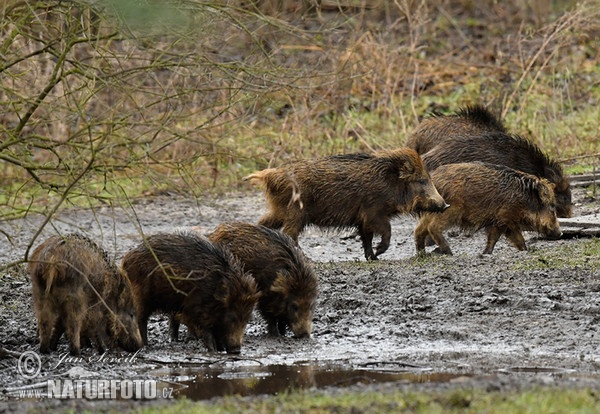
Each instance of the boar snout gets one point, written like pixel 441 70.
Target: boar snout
pixel 554 234
pixel 302 335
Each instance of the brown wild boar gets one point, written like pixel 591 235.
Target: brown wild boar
pixel 362 191
pixel 78 291
pixel 197 283
pixel 285 278
pixel 494 197
pixel 474 134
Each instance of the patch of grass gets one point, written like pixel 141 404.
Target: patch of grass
pixel 585 254
pixel 541 400
pixel 582 168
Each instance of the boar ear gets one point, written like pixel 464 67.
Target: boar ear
pixel 222 293
pixel 406 167
pixel 545 192
pixel 280 284
pixel 397 163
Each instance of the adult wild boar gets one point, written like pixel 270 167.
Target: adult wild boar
pixel 475 134
pixel 362 191
pixel 494 197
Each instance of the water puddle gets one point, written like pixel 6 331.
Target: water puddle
pixel 536 370
pixel 200 383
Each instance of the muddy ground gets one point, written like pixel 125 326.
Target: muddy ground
pixel 494 321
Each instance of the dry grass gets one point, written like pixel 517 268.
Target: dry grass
pixel 96 102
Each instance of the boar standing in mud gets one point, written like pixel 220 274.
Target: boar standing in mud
pixel 286 281
pixel 474 134
pixel 362 191
pixel 494 197
pixel 78 291
pixel 197 283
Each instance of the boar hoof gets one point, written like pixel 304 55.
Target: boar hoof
pixel 437 250
pixel 234 350
pixel 75 351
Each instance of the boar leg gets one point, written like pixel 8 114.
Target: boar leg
pixel 101 340
pixel 209 340
pixel 47 327
pixel 85 341
pixel 366 236
pixel 282 326
pixel 493 234
pixel 221 345
pixel 174 327
pixel 294 223
pixel 272 327
pixel 74 335
pixel 436 231
pixel 385 229
pixel 57 332
pixel 291 225
pixel 421 234
pixel 516 238
pixel 142 320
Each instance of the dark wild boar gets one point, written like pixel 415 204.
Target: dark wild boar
pixel 197 283
pixel 436 129
pixel 474 134
pixel 286 281
pixel 78 291
pixel 362 191
pixel 494 197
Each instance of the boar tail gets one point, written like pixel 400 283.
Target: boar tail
pixel 51 275
pixel 273 181
pixel 295 193
pixel 259 177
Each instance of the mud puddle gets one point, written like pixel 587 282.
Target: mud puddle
pixel 201 383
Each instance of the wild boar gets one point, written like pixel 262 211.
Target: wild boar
pixel 79 291
pixel 361 191
pixel 494 197
pixel 197 283
pixel 475 134
pixel 285 278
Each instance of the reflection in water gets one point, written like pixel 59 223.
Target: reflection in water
pixel 199 383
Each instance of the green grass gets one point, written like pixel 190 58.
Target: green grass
pixel 585 254
pixel 540 400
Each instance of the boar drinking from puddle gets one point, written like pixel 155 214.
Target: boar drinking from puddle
pixel 286 280
pixel 197 283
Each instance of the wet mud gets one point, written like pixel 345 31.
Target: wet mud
pixel 462 319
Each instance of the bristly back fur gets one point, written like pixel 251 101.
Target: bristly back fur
pixel 480 115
